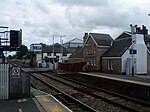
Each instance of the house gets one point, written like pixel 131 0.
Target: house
pixel 73 44
pixel 95 44
pixel 127 53
pixel 77 56
pixel 57 51
pixel 41 53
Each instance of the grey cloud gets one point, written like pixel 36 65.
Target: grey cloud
pixel 81 2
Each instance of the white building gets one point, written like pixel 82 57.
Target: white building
pixel 42 54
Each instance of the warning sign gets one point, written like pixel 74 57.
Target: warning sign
pixel 15 72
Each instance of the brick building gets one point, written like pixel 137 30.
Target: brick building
pixel 118 58
pixel 95 44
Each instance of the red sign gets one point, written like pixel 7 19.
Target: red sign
pixel 15 72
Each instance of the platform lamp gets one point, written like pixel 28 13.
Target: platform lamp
pixel 53 55
pixel 133 30
pixel 61 42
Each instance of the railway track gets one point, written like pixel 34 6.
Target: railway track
pixel 17 63
pixel 72 103
pixel 119 101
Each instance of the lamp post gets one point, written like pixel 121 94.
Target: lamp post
pixel 61 42
pixel 133 30
pixel 54 50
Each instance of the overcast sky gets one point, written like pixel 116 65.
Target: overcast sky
pixel 42 19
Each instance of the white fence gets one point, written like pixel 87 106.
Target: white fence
pixel 4 81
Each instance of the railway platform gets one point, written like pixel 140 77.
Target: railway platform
pixel 137 79
pixel 21 105
pixel 48 102
pixel 42 102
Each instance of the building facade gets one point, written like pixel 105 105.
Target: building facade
pixel 43 54
pixel 126 53
pixel 95 45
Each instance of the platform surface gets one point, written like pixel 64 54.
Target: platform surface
pixel 22 105
pixel 48 102
pixel 137 79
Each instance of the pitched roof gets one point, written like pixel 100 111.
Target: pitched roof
pixel 118 47
pixel 57 49
pixel 147 38
pixel 100 39
pixel 75 40
pixel 77 54
pixel 128 34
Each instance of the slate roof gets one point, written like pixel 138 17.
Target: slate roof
pixel 146 37
pixel 101 39
pixel 77 54
pixel 57 49
pixel 118 47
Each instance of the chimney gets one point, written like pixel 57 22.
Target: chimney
pixel 85 37
pixel 144 31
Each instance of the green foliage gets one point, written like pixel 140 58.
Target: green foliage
pixel 23 53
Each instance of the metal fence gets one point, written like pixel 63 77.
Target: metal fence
pixel 4 81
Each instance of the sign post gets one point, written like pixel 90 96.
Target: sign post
pixel 15 72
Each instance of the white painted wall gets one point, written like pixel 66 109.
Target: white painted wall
pixel 124 61
pixel 39 58
pixel 141 56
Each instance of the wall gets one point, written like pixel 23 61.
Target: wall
pixel 141 56
pixel 116 65
pixel 148 63
pixel 94 52
pixel 124 61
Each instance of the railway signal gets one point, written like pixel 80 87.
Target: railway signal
pixel 15 38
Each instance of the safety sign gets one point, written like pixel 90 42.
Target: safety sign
pixel 15 72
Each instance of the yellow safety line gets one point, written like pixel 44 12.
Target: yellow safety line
pixel 20 110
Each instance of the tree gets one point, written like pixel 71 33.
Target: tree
pixel 22 52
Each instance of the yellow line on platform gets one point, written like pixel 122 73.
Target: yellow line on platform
pixel 20 110
pixel 55 109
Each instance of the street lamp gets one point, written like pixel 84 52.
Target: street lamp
pixel 133 30
pixel 53 55
pixel 61 42
pixel 54 50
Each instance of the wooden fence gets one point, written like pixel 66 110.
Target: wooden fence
pixel 71 67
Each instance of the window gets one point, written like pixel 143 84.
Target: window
pixel 132 51
pixel 110 64
pixel 94 49
pixel 94 61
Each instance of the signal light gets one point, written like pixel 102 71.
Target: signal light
pixel 15 38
